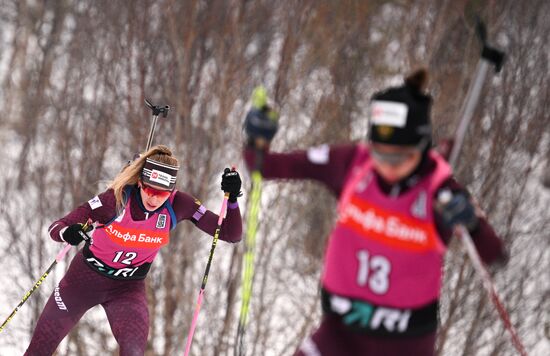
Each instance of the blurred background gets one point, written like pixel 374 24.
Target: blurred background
pixel 73 79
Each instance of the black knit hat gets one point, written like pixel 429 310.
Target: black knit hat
pixel 401 115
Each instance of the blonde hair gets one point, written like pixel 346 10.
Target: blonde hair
pixel 131 174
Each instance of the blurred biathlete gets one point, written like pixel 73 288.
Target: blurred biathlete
pixel 383 264
pixel 132 221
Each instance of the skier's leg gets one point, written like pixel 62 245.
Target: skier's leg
pixel 423 345
pixel 328 339
pixel 332 338
pixel 129 317
pixel 68 302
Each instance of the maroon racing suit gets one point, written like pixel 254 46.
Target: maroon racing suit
pixel 349 314
pixel 91 281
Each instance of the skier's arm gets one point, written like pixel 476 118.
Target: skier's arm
pixel 188 208
pixel 100 209
pixel 231 230
pixel 326 164
pixel 489 246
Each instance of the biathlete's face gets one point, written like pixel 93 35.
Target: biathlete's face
pixel 152 197
pixel 394 163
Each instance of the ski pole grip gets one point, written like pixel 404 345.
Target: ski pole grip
pixel 444 197
pixel 157 109
pixel 494 56
pixel 164 110
pixel 63 252
pixel 488 53
pixel 61 255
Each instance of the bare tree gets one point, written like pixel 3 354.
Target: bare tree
pixel 73 77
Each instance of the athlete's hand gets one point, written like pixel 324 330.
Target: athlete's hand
pixel 76 233
pixel 231 183
pixel 457 209
pixel 261 121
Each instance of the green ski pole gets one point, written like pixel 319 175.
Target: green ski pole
pixel 259 100
pixel 248 258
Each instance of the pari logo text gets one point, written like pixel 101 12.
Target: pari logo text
pixel 116 272
pixel 369 316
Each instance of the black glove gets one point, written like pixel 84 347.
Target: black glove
pixel 231 183
pixel 76 233
pixel 456 209
pixel 261 121
pixel 261 124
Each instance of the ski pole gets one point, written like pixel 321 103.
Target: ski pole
pixel 157 110
pixel 205 277
pixel 259 101
pixel 58 258
pixel 248 258
pixel 466 239
pixel 489 56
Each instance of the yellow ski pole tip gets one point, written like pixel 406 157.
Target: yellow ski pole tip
pixel 259 97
